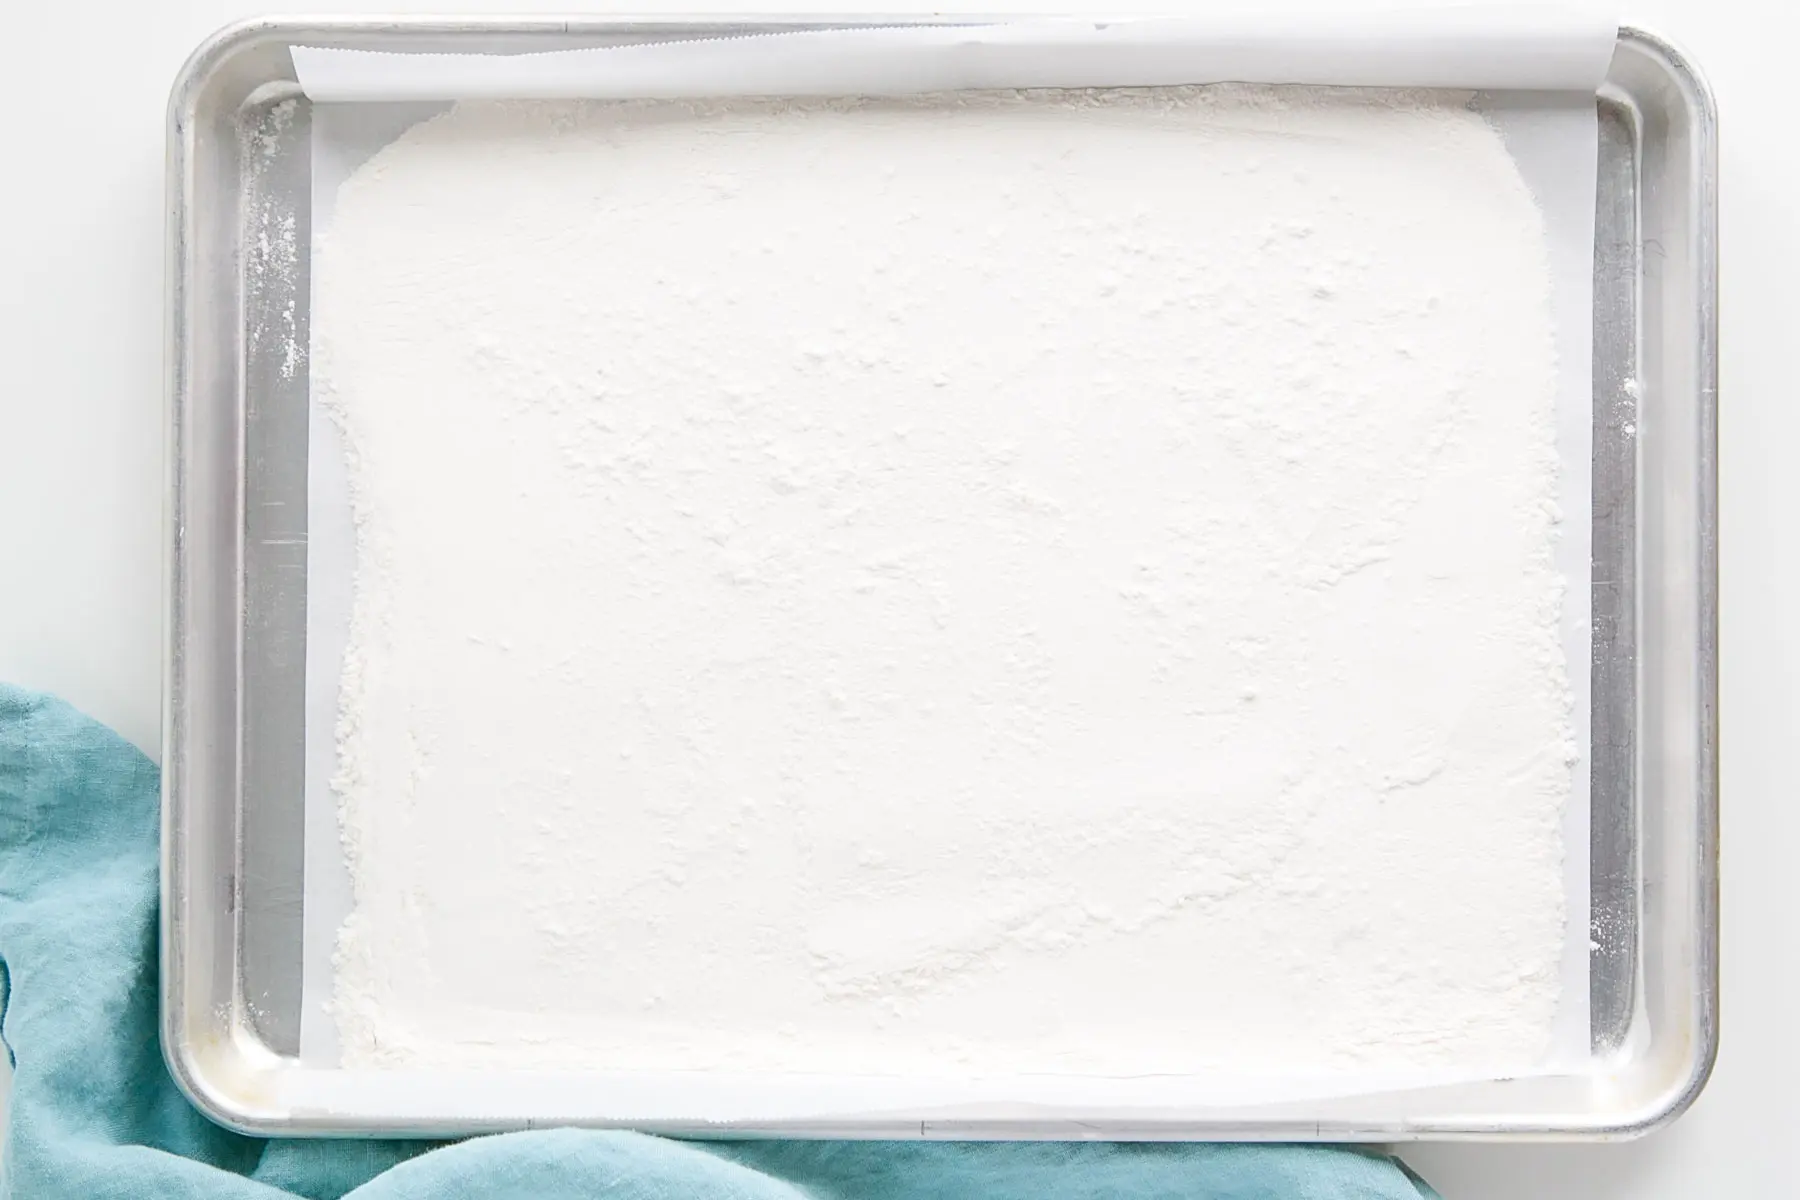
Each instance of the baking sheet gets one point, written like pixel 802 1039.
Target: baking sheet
pixel 1553 138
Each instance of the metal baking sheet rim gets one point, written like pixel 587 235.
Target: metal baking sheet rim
pixel 1666 347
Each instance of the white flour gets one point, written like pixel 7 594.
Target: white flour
pixel 1056 584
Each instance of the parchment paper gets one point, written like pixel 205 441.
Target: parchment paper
pixel 1562 48
pixel 1547 63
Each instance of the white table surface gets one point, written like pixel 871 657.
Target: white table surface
pixel 81 249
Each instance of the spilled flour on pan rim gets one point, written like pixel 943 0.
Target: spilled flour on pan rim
pixel 1027 583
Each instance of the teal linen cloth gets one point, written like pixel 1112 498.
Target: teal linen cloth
pixel 95 1115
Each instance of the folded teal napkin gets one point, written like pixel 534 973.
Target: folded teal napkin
pixel 94 1113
